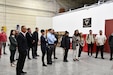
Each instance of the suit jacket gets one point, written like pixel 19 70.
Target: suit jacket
pixel 29 37
pixel 22 43
pixel 65 42
pixel 43 43
pixel 35 37
pixel 13 43
pixel 110 40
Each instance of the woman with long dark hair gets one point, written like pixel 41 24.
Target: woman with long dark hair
pixel 12 47
pixel 76 45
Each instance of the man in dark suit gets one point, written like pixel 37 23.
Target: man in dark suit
pixel 22 48
pixel 65 43
pixel 43 46
pixel 30 42
pixel 35 37
pixel 111 45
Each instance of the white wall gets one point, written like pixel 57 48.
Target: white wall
pixel 44 23
pixel 24 12
pixel 74 20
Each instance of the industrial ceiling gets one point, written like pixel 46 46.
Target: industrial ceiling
pixel 74 4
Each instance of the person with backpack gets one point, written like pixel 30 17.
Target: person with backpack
pixel 90 40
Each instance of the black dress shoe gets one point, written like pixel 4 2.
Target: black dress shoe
pixel 37 55
pixel 65 60
pixel 44 65
pixel 55 58
pixel 5 53
pixel 24 72
pixel 49 63
pixel 102 58
pixel 29 58
pixel 110 59
pixel 95 57
pixel 34 58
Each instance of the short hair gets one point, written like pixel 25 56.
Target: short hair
pixel 90 30
pixel 66 32
pixel 28 28
pixel 42 30
pixel 22 27
pixel 49 29
pixel 36 28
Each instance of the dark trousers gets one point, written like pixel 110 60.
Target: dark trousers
pixel 80 50
pixel 33 55
pixel 20 62
pixel 66 54
pixel 43 55
pixel 90 48
pixel 12 54
pixel 111 52
pixel 101 48
pixel 35 49
pixel 49 53
pixel 54 51
pixel 4 45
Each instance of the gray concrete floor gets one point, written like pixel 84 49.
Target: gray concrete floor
pixel 86 65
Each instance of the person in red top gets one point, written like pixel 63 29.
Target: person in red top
pixel 0 44
pixel 4 40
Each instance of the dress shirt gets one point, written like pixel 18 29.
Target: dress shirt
pixel 51 38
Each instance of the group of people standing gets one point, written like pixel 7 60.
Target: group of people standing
pixel 78 43
pixel 25 40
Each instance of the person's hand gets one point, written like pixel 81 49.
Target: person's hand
pixel 64 48
pixel 98 44
pixel 33 41
pixel 54 44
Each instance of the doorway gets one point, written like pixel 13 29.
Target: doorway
pixel 108 31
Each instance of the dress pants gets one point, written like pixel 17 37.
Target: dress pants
pixel 43 55
pixel 54 51
pixel 66 54
pixel 49 53
pixel 20 62
pixel 35 49
pixel 80 50
pixel 12 54
pixel 101 49
pixel 4 45
pixel 33 55
pixel 90 48
pixel 0 49
pixel 111 52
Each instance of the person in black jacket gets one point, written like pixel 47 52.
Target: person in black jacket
pixel 12 47
pixel 35 37
pixel 66 45
pixel 30 42
pixel 43 46
pixel 111 45
pixel 22 49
